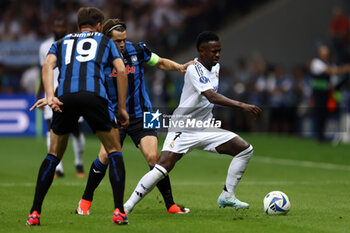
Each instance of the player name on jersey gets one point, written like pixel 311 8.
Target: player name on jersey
pixel 85 34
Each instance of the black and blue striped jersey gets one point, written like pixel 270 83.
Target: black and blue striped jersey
pixel 81 60
pixel 137 100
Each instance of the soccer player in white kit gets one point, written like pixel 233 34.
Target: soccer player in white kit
pixel 198 97
pixel 78 139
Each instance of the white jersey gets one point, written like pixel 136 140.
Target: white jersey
pixel 44 49
pixel 192 103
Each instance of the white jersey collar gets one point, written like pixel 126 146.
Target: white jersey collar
pixel 212 68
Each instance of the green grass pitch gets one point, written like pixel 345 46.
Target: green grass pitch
pixel 316 178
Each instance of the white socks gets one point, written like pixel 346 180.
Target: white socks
pixel 78 147
pixel 237 167
pixel 146 184
pixel 48 140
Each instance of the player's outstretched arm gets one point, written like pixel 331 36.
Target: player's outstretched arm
pixel 167 64
pixel 217 98
pixel 122 83
pixel 47 78
pixel 338 70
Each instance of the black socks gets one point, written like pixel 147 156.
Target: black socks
pixel 44 181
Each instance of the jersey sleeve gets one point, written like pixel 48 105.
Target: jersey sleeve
pixel 149 57
pixel 53 50
pixel 198 80
pixel 147 53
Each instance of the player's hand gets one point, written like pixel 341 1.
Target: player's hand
pixel 39 104
pixel 123 118
pixel 54 104
pixel 252 110
pixel 183 67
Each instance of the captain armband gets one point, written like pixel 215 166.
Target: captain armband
pixel 154 60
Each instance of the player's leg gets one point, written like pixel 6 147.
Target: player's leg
pixel 62 124
pixel 110 141
pixel 78 140
pixel 116 171
pixel 117 178
pixel 175 146
pixel 242 152
pixel 164 165
pixel 149 148
pixel 97 172
pixel 58 145
pixel 96 112
pixel 47 112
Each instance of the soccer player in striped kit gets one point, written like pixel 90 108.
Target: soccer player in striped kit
pixel 81 58
pixel 135 55
pixel 78 138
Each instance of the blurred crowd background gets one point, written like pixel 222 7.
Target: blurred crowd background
pixel 169 27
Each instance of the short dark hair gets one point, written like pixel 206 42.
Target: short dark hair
pixel 113 24
pixel 205 37
pixel 89 16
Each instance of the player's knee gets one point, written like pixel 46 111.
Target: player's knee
pixel 168 160
pixel 103 157
pixel 246 152
pixel 151 158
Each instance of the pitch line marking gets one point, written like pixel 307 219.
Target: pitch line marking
pixel 289 162
pixel 186 183
pixel 301 163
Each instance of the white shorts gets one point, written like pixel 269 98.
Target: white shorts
pixel 48 114
pixel 184 142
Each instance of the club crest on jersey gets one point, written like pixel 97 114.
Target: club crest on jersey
pixel 204 79
pixel 134 58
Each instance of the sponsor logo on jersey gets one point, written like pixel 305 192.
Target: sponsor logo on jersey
pixel 203 79
pixel 128 71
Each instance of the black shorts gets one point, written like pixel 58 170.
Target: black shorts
pixel 93 108
pixel 136 131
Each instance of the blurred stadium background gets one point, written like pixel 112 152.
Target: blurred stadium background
pixel 267 46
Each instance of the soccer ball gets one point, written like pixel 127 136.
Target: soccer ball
pixel 276 203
